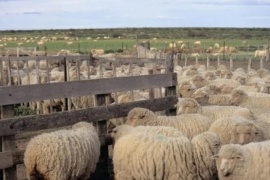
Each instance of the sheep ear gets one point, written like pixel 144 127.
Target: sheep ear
pixel 215 157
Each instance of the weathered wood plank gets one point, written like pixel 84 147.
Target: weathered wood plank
pixel 46 121
pixel 101 172
pixel 28 93
pixel 6 160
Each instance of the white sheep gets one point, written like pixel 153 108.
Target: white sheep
pixel 206 96
pixel 205 145
pixel 186 89
pixel 148 156
pixel 124 129
pixel 250 161
pixel 63 154
pixel 260 53
pixel 245 130
pixel 189 124
pixel 257 105
pixel 188 105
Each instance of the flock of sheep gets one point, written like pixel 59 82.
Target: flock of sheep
pixel 221 131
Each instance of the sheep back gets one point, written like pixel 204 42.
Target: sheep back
pixel 148 156
pixel 63 154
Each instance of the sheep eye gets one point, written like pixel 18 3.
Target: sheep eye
pixel 142 116
pixel 256 133
pixel 188 89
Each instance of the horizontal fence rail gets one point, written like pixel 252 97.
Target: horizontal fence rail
pixel 26 93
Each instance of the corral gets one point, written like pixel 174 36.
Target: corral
pixel 16 131
pixel 78 81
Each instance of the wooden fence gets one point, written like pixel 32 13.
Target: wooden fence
pixel 12 128
pixel 233 60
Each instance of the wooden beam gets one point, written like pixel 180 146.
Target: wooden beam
pixel 37 92
pixel 38 122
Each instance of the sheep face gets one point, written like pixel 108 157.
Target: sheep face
pixel 228 160
pixel 202 96
pixel 237 97
pixel 227 165
pixel 139 114
pixel 187 106
pixel 210 76
pixel 186 90
pixel 199 81
pixel 244 133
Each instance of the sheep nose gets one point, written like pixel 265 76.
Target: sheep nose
pixel 225 172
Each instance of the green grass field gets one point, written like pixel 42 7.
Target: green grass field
pixel 256 38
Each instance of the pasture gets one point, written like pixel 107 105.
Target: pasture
pixel 117 40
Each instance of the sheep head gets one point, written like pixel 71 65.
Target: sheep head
pixel 119 131
pixel 187 106
pixel 238 97
pixel 228 159
pixel 137 115
pixel 186 90
pixel 244 132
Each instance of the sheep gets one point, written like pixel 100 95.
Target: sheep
pixel 216 45
pixel 124 129
pixel 242 132
pixel 197 43
pixel 199 81
pixel 189 124
pixel 240 98
pixel 209 75
pixel 232 82
pixel 205 145
pixel 186 89
pixel 260 53
pixel 205 96
pixel 98 51
pixel 63 154
pixel 148 156
pixel 250 161
pixel 188 105
pixel 225 128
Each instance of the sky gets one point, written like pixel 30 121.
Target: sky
pixel 77 14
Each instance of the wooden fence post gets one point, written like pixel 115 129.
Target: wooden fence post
pixel 102 172
pixel 249 63
pixel 8 143
pixel 171 90
pixel 231 63
pixel 261 62
pixel 186 60
pixel 207 61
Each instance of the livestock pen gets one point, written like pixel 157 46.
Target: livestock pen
pixel 15 131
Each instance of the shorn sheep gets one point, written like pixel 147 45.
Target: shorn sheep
pixel 63 154
pixel 148 156
pixel 250 161
pixel 189 124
